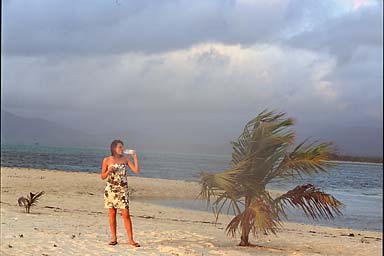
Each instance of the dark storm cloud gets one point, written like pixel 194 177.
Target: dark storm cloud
pixel 344 35
pixel 109 27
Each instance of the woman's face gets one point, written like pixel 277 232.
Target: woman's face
pixel 119 149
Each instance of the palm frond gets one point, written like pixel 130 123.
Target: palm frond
pixel 221 200
pixel 259 218
pixel 34 198
pixel 30 200
pixel 22 201
pixel 213 184
pixel 257 131
pixel 314 202
pixel 310 159
pixel 263 138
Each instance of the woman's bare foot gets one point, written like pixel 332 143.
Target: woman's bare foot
pixel 135 244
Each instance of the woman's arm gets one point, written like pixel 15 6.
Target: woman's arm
pixel 134 167
pixel 104 169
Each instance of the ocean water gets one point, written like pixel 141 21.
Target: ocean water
pixel 358 185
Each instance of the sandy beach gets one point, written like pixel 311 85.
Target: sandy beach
pixel 70 219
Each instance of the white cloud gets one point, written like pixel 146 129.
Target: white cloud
pixel 208 77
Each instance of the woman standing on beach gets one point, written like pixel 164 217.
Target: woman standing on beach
pixel 116 191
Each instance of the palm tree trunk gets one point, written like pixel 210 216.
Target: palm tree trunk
pixel 244 237
pixel 244 228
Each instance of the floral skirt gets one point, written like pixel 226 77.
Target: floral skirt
pixel 116 196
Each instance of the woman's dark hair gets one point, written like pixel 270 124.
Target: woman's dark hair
pixel 113 145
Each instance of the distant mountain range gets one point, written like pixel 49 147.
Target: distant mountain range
pixel 20 130
pixel 351 141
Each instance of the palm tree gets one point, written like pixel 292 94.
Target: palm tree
pixel 260 155
pixel 30 200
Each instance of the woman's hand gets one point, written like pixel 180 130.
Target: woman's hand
pixel 111 168
pixel 106 169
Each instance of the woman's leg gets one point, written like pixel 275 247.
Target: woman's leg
pixel 128 225
pixel 112 223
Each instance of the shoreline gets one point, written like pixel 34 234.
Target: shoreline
pixel 189 187
pixel 356 162
pixel 371 159
pixel 133 180
pixel 71 219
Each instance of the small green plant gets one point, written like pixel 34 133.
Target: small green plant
pixel 30 200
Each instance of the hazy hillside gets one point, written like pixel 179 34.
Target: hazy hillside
pixel 355 141
pixel 20 130
pixel 15 129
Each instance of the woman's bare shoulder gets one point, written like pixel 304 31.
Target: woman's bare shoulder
pixel 107 159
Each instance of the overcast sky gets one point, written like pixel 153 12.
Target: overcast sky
pixel 190 67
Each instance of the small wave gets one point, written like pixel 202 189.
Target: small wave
pixel 371 194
